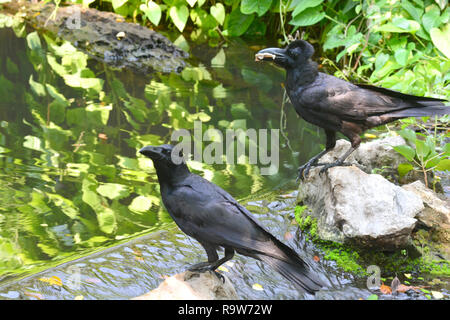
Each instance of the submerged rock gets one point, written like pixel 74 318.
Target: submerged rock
pixel 364 209
pixel 192 286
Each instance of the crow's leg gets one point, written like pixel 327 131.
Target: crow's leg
pixel 351 131
pixel 213 261
pixel 212 258
pixel 330 143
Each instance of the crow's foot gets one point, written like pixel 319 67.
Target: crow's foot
pixel 304 169
pixel 327 166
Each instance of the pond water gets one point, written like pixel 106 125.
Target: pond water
pixel 74 185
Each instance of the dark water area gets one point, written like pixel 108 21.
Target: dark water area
pixel 79 204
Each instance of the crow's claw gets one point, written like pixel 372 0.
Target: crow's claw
pixel 327 166
pixel 304 170
pixel 219 275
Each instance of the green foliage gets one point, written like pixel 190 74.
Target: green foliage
pixel 423 155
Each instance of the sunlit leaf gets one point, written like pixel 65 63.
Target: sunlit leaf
pixel 152 11
pixel 179 16
pixel 218 12
pixel 441 39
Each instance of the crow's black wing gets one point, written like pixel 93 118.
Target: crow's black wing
pixel 356 103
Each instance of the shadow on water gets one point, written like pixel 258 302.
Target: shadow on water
pixel 74 191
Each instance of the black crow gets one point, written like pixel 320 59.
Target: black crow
pixel 340 106
pixel 215 219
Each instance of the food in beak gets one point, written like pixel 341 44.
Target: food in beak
pixel 261 56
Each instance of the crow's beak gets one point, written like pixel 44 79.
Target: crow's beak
pixel 271 54
pixel 151 152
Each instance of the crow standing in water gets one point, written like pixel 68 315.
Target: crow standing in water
pixel 340 106
pixel 214 218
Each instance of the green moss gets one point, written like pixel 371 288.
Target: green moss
pixel 356 260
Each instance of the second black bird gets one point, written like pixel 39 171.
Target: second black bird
pixel 214 218
pixel 340 106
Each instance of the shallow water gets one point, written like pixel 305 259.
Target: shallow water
pixel 75 192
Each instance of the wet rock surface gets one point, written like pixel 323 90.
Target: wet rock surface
pixel 105 36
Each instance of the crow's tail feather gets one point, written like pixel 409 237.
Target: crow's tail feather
pixel 296 271
pixel 436 110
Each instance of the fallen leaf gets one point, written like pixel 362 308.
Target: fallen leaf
pixel 385 289
pixel 370 136
pixel 257 287
pixel 102 136
pixel 79 298
pixel 316 259
pixel 224 269
pixel 52 281
pixel 372 297
pixel 34 295
pixel 93 280
pixel 288 235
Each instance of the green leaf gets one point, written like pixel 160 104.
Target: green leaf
pixel 401 56
pixel 422 150
pixel 441 39
pixel 118 3
pixel 399 25
pixel 431 18
pixel 443 165
pixel 218 12
pixel 406 151
pixel 237 23
pixel 404 168
pixel 408 134
pixel 308 17
pixel 258 6
pixel 179 16
pixel 113 190
pixel 304 4
pixel 33 41
pixel 152 11
pixel 372 297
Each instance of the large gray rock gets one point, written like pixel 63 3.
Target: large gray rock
pixel 365 209
pixel 192 286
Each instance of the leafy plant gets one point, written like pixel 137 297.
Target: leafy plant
pixel 423 155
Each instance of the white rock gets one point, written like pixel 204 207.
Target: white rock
pixel 365 209
pixel 192 286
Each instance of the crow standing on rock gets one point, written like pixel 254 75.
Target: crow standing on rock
pixel 340 106
pixel 214 218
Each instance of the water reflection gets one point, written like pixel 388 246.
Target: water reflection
pixel 70 128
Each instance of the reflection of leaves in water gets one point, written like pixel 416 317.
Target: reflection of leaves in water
pixel 66 187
